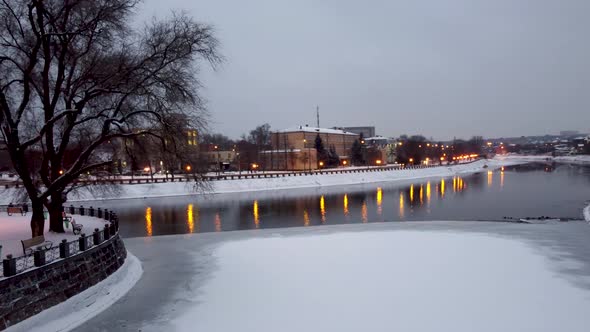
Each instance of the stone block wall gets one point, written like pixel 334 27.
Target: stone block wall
pixel 29 293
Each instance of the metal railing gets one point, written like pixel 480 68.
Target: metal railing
pixel 12 266
pixel 256 174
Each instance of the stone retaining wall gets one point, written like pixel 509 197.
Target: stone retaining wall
pixel 29 293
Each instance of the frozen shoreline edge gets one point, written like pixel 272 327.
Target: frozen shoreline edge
pixel 86 305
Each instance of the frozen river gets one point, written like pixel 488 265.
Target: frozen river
pixel 460 271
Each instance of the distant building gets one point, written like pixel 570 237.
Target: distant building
pixel 294 148
pixel 569 133
pixel 367 131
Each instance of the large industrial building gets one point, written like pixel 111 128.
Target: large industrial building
pixel 294 148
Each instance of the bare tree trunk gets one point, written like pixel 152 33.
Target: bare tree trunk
pixel 37 219
pixel 55 213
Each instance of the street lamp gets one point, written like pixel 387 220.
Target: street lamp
pixel 218 158
pixel 308 157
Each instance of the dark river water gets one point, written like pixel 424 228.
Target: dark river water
pixel 520 191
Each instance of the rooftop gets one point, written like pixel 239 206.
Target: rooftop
pixel 308 129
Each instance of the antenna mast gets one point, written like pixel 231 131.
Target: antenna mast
pixel 317 109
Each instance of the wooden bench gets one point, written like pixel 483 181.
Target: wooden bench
pixel 76 228
pixel 15 209
pixel 30 245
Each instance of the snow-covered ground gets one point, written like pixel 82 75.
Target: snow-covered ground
pixel 290 182
pixel 15 228
pixel 84 306
pixel 383 281
pixel 577 159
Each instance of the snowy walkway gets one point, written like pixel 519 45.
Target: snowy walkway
pixel 422 276
pixel 15 228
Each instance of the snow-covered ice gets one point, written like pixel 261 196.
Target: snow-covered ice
pixel 89 303
pixel 384 281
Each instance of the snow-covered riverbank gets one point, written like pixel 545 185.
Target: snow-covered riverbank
pixel 587 213
pixel 292 182
pixel 577 159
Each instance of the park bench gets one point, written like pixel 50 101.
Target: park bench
pixel 76 228
pixel 15 209
pixel 30 245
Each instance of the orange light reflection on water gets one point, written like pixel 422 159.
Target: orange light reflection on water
pixel 345 204
pixel 323 208
pixel 421 194
pixel 306 220
pixel 190 219
pixel 379 200
pixel 148 221
pixel 401 204
pixel 217 222
pixel 255 214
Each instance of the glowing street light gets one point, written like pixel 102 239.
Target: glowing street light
pixel 378 161
pixel 188 168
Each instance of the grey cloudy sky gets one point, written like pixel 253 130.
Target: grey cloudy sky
pixel 441 68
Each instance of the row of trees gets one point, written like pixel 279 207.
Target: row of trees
pixel 259 136
pixel 416 149
pixel 75 77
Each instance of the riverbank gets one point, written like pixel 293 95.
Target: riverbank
pixel 577 159
pixel 277 183
pixel 587 213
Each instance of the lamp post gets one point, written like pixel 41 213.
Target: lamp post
pixel 304 143
pixel 218 157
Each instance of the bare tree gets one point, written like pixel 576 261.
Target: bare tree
pixel 74 69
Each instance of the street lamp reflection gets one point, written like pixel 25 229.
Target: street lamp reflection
pixel 148 221
pixel 379 200
pixel 255 214
pixel 190 220
pixel 323 209
pixel 306 220
pixel 345 204
pixel 401 204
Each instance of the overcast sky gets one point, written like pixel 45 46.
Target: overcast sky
pixel 441 68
